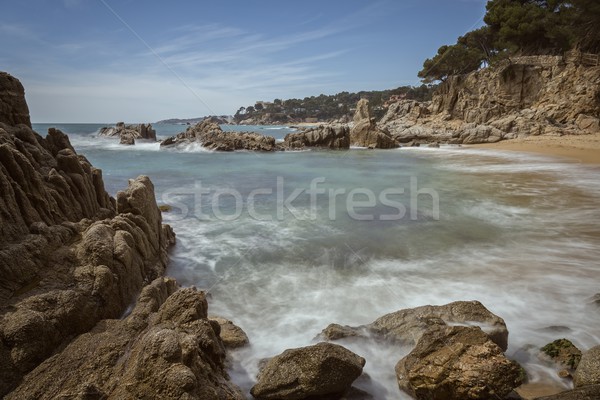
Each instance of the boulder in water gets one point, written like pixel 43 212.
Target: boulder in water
pixel 317 371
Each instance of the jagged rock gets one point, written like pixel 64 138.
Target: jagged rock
pixel 588 370
pixel 70 255
pixel 562 352
pixel 308 372
pixel 408 325
pixel 166 348
pixel 457 363
pixel 232 335
pixel 127 140
pixel 591 392
pixel 13 107
pixel 326 136
pixel 365 132
pixel 210 135
pixel 540 95
pixel 138 131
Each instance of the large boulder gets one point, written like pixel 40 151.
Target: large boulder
pixel 13 107
pixel 309 372
pixel 166 348
pixel 457 363
pixel 209 134
pixel 588 370
pixel 324 136
pixel 408 325
pixel 365 133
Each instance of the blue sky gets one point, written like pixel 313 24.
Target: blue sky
pixel 135 60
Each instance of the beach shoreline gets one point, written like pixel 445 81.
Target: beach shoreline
pixel 584 149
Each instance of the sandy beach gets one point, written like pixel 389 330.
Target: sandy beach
pixel 582 148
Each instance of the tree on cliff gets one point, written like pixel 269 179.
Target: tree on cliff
pixel 586 23
pixel 522 27
pixel 530 26
pixel 451 60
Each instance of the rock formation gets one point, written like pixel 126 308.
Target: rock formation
pixel 210 135
pixel 72 259
pixel 323 136
pixel 232 335
pixel 128 133
pixel 458 351
pixel 540 95
pixel 166 348
pixel 317 371
pixel 13 107
pixel 408 325
pixel 457 363
pixel 366 133
pixel 564 353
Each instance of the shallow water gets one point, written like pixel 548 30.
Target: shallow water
pixel 518 232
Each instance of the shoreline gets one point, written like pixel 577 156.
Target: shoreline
pixel 584 149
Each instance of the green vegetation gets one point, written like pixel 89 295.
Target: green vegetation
pixel 328 107
pixel 519 27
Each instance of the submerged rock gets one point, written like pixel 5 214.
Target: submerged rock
pixel 562 352
pixel 317 371
pixel 210 135
pixel 408 325
pixel 457 363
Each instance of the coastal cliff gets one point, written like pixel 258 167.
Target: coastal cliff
pixel 72 261
pixel 522 96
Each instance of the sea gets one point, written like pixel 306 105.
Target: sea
pixel 286 243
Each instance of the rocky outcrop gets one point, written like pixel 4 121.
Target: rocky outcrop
pixel 408 325
pixel 457 363
pixel 232 335
pixel 518 97
pixel 562 352
pixel 588 370
pixel 166 348
pixel 128 133
pixel 323 136
pixel 210 135
pixel 317 371
pixel 366 133
pixel 13 107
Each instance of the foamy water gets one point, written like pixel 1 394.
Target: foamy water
pixel 518 232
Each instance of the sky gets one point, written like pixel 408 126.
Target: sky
pixel 143 60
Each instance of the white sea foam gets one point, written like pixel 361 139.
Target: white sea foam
pixel 518 232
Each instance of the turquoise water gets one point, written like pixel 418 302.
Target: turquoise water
pixel 520 233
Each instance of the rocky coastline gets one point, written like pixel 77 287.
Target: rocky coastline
pixel 84 289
